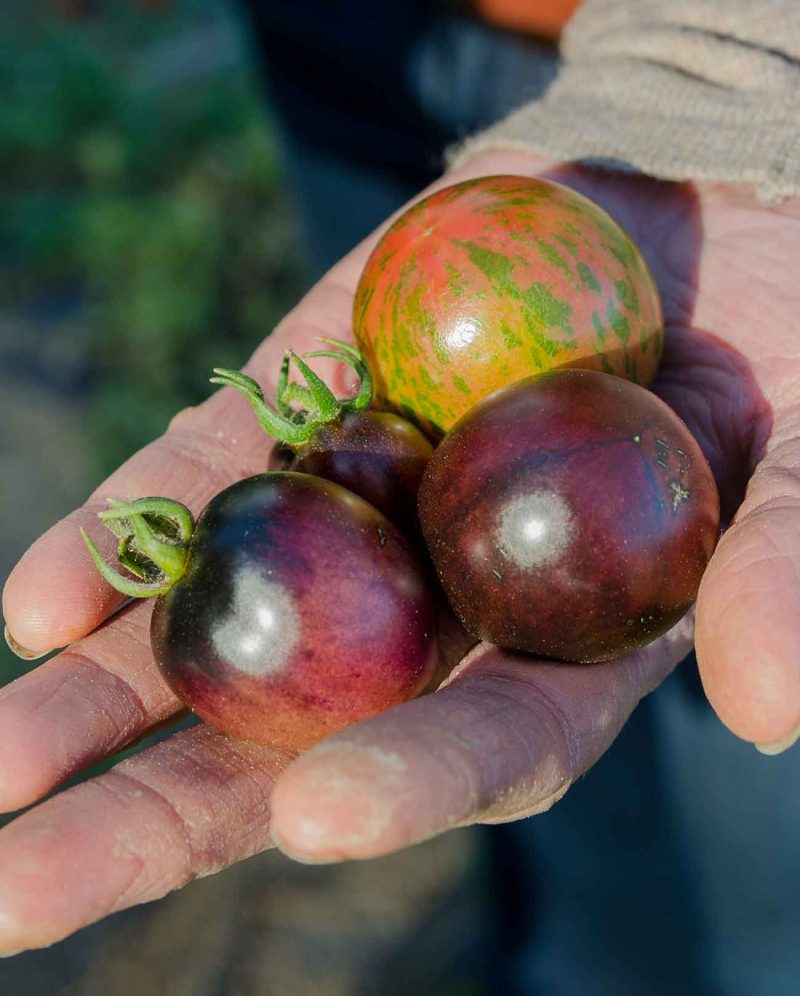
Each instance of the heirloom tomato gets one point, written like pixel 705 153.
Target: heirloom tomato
pixel 570 515
pixel 289 610
pixel 495 279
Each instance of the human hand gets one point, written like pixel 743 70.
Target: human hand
pixel 505 737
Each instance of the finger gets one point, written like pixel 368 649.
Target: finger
pixel 187 807
pixel 505 738
pixel 83 705
pixel 54 595
pixel 748 609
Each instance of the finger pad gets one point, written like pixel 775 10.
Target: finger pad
pixel 748 629
pixel 54 595
pixel 342 803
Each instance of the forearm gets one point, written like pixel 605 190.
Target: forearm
pixel 679 89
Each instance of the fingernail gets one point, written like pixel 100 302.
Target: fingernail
pixel 303 859
pixel 780 745
pixel 19 650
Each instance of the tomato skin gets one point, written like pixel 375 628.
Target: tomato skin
pixel 377 455
pixel 570 515
pixel 301 610
pixel 491 280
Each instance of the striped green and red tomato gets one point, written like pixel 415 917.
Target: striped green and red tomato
pixel 495 279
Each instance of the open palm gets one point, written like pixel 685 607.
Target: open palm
pixel 504 737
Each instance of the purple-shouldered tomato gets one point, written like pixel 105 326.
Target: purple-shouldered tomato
pixel 290 610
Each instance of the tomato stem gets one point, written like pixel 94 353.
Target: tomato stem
pixel 154 535
pixel 318 404
pixel 348 354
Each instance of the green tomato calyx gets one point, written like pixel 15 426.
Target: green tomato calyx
pixel 300 409
pixel 154 536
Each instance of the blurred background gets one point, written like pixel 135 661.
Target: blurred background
pixel 173 179
pixel 175 173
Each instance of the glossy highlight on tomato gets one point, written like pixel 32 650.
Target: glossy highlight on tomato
pixel 491 280
pixel 570 515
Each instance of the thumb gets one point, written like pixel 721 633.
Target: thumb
pixel 748 609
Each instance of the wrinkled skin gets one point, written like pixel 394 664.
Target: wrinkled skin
pixel 503 738
pixel 301 610
pixel 570 515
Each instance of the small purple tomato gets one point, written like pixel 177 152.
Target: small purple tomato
pixel 378 455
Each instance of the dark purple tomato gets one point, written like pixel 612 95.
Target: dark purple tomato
pixel 570 515
pixel 301 609
pixel 377 455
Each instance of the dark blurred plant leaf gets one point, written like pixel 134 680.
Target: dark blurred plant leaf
pixel 163 205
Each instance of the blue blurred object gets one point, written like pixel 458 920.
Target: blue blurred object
pixel 369 95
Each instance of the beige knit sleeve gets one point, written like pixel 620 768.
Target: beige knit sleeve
pixel 678 89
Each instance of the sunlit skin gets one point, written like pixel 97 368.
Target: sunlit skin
pixel 504 737
pixel 570 515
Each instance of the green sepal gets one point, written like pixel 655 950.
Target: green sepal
pixel 297 394
pixel 132 560
pixel 168 556
pixel 353 359
pixel 282 402
pixel 319 405
pixel 275 425
pixel 154 535
pixel 134 589
pixel 172 519
pixel 328 408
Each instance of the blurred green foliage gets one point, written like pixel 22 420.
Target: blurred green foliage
pixel 150 189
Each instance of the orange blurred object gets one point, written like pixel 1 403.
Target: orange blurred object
pixel 544 18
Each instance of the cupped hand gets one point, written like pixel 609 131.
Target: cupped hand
pixel 504 737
